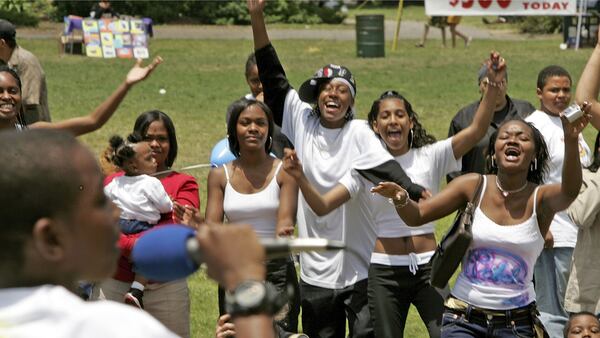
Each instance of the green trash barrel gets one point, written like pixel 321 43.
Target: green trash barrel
pixel 370 36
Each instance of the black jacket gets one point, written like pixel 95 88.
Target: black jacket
pixel 474 160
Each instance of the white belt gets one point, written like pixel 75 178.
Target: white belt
pixel 412 260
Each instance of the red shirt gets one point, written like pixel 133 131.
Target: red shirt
pixel 183 189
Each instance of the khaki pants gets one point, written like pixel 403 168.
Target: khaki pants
pixel 168 302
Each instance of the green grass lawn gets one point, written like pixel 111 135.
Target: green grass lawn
pixel 202 77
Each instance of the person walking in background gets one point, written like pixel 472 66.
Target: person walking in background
pixel 453 22
pixel 434 21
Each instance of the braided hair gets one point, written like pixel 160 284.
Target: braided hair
pixel 122 150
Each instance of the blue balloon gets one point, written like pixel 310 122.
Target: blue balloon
pixel 221 154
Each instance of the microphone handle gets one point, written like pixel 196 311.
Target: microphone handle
pixel 277 247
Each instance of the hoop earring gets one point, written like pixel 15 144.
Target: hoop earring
pixel 493 161
pixel 269 143
pixel 410 138
pixel 533 166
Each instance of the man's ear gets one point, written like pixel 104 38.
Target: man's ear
pixel 47 239
pixel 538 91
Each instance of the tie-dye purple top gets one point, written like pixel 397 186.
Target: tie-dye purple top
pixel 497 271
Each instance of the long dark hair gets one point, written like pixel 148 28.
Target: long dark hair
pixel 235 109
pixel 4 68
pixel 142 123
pixel 596 161
pixel 420 137
pixel 536 173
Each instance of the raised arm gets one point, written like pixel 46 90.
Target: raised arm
pixel 556 197
pixel 259 30
pixel 467 138
pixel 455 196
pixel 288 204
pixel 214 202
pixel 96 119
pixel 320 204
pixel 589 85
pixel 271 73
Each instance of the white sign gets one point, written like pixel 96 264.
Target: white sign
pixel 500 7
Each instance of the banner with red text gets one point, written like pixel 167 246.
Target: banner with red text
pixel 500 7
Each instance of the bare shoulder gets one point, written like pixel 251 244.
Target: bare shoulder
pixel 466 184
pixel 282 176
pixel 217 176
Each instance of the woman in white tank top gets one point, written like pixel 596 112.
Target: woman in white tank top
pixel 253 190
pixel 493 295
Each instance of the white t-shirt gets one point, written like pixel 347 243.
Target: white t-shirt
pixel 53 312
pixel 425 166
pixel 141 197
pixel 327 155
pixel 563 229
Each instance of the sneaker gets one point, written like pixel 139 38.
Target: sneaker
pixel 468 41
pixel 134 298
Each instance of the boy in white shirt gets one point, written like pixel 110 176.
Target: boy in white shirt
pixel 553 266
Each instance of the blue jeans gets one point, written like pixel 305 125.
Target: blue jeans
pixel 462 325
pixel 551 274
pixel 133 226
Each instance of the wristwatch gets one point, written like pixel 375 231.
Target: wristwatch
pixel 251 297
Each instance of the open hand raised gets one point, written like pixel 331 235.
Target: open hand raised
pixel 139 73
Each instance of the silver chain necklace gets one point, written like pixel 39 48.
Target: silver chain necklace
pixel 505 192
